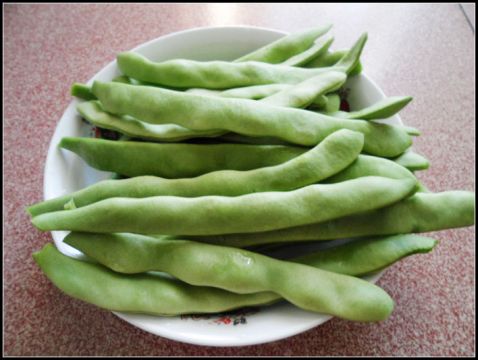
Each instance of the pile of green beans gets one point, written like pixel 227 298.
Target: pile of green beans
pixel 219 158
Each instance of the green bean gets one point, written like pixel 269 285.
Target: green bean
pixel 380 110
pixel 134 158
pixel 358 257
pixel 82 91
pixel 335 153
pixel 182 73
pixel 93 112
pixel 245 117
pixel 286 47
pixel 351 59
pixel 238 271
pixel 256 92
pixel 347 59
pixel 412 161
pixel 221 215
pixel 305 92
pixel 366 165
pixel 332 105
pixel 363 256
pixel 113 291
pixel 320 47
pixel 422 212
pixel 328 59
pixel 150 293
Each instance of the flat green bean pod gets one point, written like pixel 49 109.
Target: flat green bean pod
pixel 222 215
pixel 133 158
pixel 256 92
pixel 94 113
pixel 351 59
pixel 335 153
pixel 82 91
pixel 366 165
pixel 238 271
pixel 182 73
pixel 363 256
pixel 161 295
pixel 412 161
pixel 327 59
pixel 304 93
pixel 380 110
pixel 286 47
pixel 245 117
pixel 330 59
pixel 422 212
pixel 150 293
pixel 320 47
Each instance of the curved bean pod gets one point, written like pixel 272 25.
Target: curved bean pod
pixel 363 256
pixel 366 165
pixel 182 73
pixel 161 295
pixel 133 158
pixel 245 117
pixel 256 92
pixel 82 91
pixel 141 293
pixel 239 271
pixel 335 153
pixel 412 161
pixel 327 59
pixel 421 212
pixel 222 215
pixel 380 110
pixel 94 113
pixel 320 47
pixel 304 93
pixel 330 59
pixel 286 47
pixel 351 59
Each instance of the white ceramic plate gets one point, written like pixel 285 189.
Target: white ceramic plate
pixel 65 172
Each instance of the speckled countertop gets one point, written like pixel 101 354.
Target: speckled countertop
pixel 423 50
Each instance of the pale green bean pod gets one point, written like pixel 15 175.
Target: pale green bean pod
pixel 245 117
pixel 422 212
pixel 263 211
pixel 162 295
pixel 329 157
pixel 238 271
pixel 286 47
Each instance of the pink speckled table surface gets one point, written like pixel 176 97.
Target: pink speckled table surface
pixel 423 50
